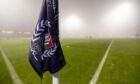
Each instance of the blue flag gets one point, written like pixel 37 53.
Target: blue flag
pixel 45 51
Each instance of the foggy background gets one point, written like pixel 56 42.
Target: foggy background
pixel 78 18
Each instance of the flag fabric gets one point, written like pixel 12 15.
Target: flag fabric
pixel 45 51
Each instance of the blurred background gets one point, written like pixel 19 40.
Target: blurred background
pixel 78 18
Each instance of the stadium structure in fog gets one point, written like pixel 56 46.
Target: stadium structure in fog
pixel 14 35
pixel 78 18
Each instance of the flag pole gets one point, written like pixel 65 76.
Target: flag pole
pixel 55 78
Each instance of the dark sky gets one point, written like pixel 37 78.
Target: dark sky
pixel 77 17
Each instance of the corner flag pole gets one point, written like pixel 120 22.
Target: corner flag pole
pixel 55 78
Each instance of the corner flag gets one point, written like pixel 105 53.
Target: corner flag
pixel 45 51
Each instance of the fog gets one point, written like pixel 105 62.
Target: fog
pixel 78 18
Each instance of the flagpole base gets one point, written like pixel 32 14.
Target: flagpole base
pixel 55 78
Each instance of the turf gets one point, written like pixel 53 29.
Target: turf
pixel 4 73
pixel 17 52
pixel 123 63
pixel 82 56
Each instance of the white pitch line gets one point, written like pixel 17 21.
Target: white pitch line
pixel 11 69
pixel 98 71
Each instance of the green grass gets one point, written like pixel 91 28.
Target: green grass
pixel 82 56
pixel 4 74
pixel 123 63
pixel 17 52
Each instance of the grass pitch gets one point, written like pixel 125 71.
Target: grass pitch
pixel 4 74
pixel 123 63
pixel 83 57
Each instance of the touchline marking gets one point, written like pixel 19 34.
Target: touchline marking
pixel 98 71
pixel 11 69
